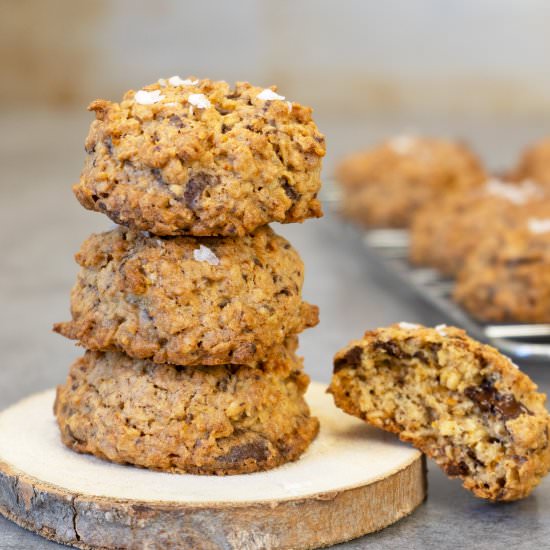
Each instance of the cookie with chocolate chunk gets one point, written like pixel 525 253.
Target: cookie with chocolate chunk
pixel 202 158
pixel 507 276
pixel 383 186
pixel 461 402
pixel 188 300
pixel 221 420
pixel 445 231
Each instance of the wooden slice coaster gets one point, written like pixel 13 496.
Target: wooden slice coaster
pixel 353 480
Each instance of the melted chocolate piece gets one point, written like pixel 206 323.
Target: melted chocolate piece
pixel 489 400
pixel 351 359
pixel 456 469
pixel 195 186
pixel 176 121
pixel 255 450
pixel 392 349
pixel 290 191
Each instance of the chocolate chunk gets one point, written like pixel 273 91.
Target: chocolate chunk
pixel 255 450
pixel 195 186
pixel 176 121
pixel 456 469
pixel 392 349
pixel 289 190
pixel 351 359
pixel 489 400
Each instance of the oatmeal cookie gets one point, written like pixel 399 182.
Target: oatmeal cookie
pixel 507 276
pixel 535 163
pixel 187 300
pixel 462 403
pixel 227 419
pixel 445 231
pixel 198 157
pixel 383 186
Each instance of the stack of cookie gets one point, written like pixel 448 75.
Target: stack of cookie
pixel 190 309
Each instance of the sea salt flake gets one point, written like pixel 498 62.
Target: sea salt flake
pixel 269 95
pixel 408 326
pixel 538 226
pixel 511 362
pixel 516 193
pixel 177 81
pixel 143 97
pixel 440 329
pixel 402 145
pixel 199 100
pixel 204 254
pixel 289 105
pixel 162 82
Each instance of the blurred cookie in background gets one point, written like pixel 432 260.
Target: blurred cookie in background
pixel 507 277
pixel 384 185
pixel 446 230
pixel 534 163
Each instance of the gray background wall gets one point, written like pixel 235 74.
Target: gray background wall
pixel 445 66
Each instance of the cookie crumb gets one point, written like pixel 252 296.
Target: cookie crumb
pixel 269 95
pixel 143 97
pixel 199 100
pixel 204 254
pixel 538 226
pixel 408 326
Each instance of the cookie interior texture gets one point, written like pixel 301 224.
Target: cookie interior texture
pixel 204 420
pixel 462 403
pixel 165 300
pixel 202 158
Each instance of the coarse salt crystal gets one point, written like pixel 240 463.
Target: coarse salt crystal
pixel 269 95
pixel 162 82
pixel 402 145
pixel 440 329
pixel 143 97
pixel 538 226
pixel 511 362
pixel 289 105
pixel 199 100
pixel 177 81
pixel 204 254
pixel 408 326
pixel 518 193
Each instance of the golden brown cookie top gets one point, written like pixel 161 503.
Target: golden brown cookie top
pixel 190 156
pixel 417 160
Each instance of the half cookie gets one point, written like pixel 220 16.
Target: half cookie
pixel 204 420
pixel 462 403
